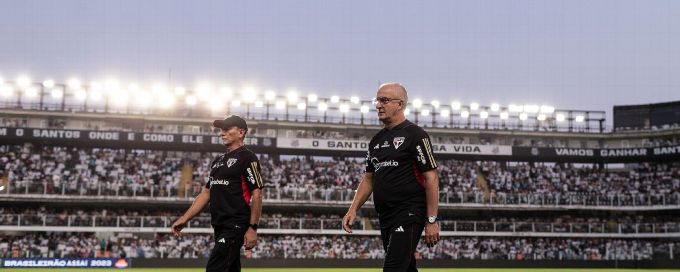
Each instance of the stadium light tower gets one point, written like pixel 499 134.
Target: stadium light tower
pixel 335 99
pixel 323 107
pixel 364 110
pixel 344 109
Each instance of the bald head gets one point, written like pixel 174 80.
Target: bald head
pixel 397 89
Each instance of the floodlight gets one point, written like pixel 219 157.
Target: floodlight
pixel 444 113
pixel 523 116
pixel 425 113
pixel 344 108
pixel 322 106
pixel 120 99
pixel 364 109
pixel 179 90
pixel 236 103
pixel 515 108
pixel 191 100
pixel 541 117
pixel 484 115
pixel 280 104
pixel 31 92
pixel 579 118
pixel 269 96
pixel 559 117
pixel 80 94
pixel 335 99
pixel 455 106
pixel 505 115
pixel 74 83
pixel 259 104
pixel 465 114
pixel 547 109
pixel 301 106
pixel 57 93
pixel 354 100
pixel 531 108
pixel 166 101
pixel 23 81
pixel 435 104
pixel 474 106
pixel 143 99
pixel 292 96
pixel 133 87
pixel 312 98
pixel 48 84
pixel 417 103
pixel 495 107
pixel 6 90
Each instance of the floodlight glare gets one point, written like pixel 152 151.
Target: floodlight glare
pixel 191 100
pixel 312 98
pixel 523 116
pixel 547 109
pixel 74 83
pixel 495 107
pixel 269 96
pixel 301 106
pixel 560 117
pixel 48 84
pixel 216 104
pixel 474 106
pixel 158 88
pixel 292 96
pixel 203 90
pixel 143 99
pixel 444 113
pixel 259 104
pixel 323 107
pixel 531 108
pixel 541 117
pixel 250 96
pixel 484 115
pixel 23 81
pixel 120 99
pixel 465 114
pixel 364 109
pixel 579 118
pixel 515 108
pixel 354 99
pixel 435 104
pixel 425 113
pixel 96 86
pixel 236 103
pixel 167 101
pixel 57 93
pixel 344 108
pixel 455 106
pixel 112 86
pixel 280 104
pixel 505 115
pixel 96 95
pixel 6 90
pixel 335 99
pixel 179 90
pixel 417 103
pixel 133 87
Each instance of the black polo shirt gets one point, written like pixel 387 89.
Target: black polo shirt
pixel 233 177
pixel 397 158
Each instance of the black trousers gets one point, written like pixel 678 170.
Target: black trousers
pixel 400 244
pixel 226 255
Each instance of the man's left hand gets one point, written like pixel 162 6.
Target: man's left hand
pixel 250 239
pixel 431 234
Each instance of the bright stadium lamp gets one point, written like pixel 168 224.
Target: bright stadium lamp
pixel 322 107
pixel 417 103
pixel 133 87
pixel 344 108
pixel 203 90
pixel 280 104
pixel 505 115
pixel 435 104
pixel 354 99
pixel 455 106
pixel 48 84
pixel 464 114
pixel 23 81
pixel 495 107
pixel 190 100
pixel 484 115
pixel 2 81
pixel 515 108
pixel 216 104
pixel 311 98
pixel 335 99
pixel 166 101
pixel 250 96
pixel 301 106
pixel 111 86
pixel 560 117
pixel 96 95
pixel 547 109
pixel 425 113
pixel 444 113
pixel 531 108
pixel 120 99
pixel 74 83
pixel 179 91
pixel 474 106
pixel 96 86
pixel 541 117
pixel 259 104
pixel 269 95
pixel 143 99
pixel 6 90
pixel 364 109
pixel 236 103
pixel 56 93
pixel 292 96
pixel 579 118
pixel 523 116
pixel 158 88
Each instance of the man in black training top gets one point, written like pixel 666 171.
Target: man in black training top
pixel 235 196
pixel 401 173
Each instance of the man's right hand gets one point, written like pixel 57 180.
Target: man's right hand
pixel 348 220
pixel 178 226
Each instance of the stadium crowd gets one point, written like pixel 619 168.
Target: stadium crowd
pixel 62 170
pixel 88 245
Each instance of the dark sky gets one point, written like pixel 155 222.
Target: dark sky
pixel 570 54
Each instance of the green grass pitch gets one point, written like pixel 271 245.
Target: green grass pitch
pixel 339 270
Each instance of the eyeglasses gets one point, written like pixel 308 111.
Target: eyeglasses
pixel 384 100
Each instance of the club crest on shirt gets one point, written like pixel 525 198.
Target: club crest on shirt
pixel 231 162
pixel 398 141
